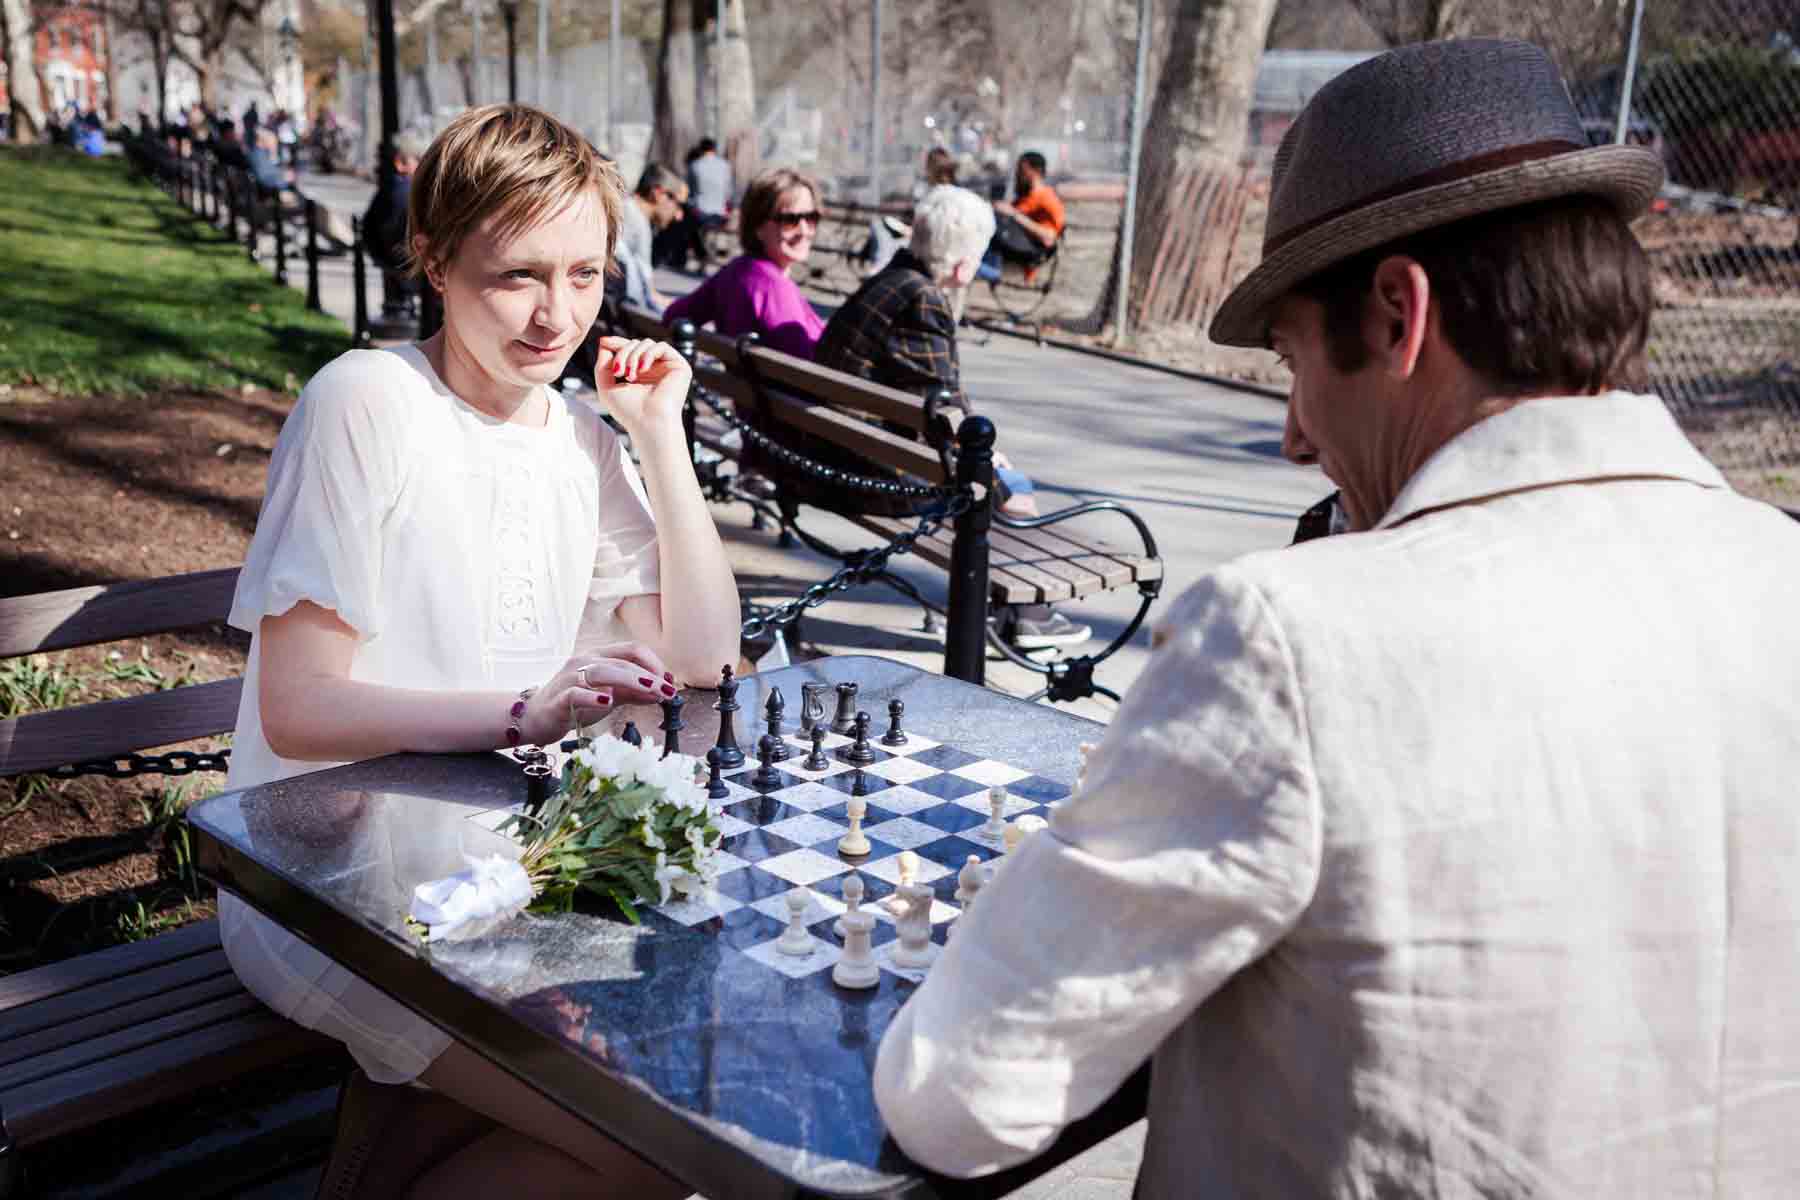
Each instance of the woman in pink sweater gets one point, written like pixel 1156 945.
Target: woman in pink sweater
pixel 752 293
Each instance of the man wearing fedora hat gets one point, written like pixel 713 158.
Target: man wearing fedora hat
pixel 1456 855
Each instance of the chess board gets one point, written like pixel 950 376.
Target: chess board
pixel 926 796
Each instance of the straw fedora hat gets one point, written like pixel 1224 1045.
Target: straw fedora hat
pixel 1420 137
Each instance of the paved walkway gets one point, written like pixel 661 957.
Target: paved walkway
pixel 1199 462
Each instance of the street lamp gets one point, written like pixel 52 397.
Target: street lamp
pixel 509 12
pixel 288 35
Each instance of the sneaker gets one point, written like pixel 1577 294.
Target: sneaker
pixel 1042 633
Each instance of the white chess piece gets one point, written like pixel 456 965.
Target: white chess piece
pixel 855 843
pixel 914 927
pixel 794 939
pixel 853 895
pixel 996 826
pixel 857 968
pixel 907 864
pixel 1022 828
pixel 907 867
pixel 970 880
pixel 1087 751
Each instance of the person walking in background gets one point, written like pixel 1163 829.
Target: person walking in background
pixel 753 293
pixel 899 330
pixel 1029 227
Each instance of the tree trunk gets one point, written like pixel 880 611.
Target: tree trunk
pixel 1191 187
pixel 737 97
pixel 25 90
pixel 677 124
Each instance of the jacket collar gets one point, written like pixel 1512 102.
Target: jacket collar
pixel 1540 443
pixel 903 258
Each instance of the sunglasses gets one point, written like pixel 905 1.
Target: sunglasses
pixel 790 220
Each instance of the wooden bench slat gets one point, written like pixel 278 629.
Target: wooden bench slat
pixel 722 383
pixel 76 1055
pixel 123 1016
pixel 110 613
pixel 176 1066
pixel 40 983
pixel 836 388
pixel 85 1002
pixel 871 441
pixel 38 741
pixel 1084 544
pixel 1009 581
pixel 1085 569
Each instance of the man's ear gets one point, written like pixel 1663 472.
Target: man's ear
pixel 1398 314
pixel 433 269
pixel 963 273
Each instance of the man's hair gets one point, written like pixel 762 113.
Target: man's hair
pixel 1035 161
pixel 508 161
pixel 658 176
pixel 705 146
pixel 940 166
pixel 949 225
pixel 1551 297
pixel 763 197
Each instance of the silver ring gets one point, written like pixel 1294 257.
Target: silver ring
pixel 582 679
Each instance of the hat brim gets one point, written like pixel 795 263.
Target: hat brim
pixel 1629 176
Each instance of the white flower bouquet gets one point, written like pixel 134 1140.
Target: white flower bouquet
pixel 626 824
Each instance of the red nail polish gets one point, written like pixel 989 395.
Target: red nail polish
pixel 646 681
pixel 668 677
pixel 668 689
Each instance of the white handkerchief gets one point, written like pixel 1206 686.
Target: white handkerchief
pixel 469 903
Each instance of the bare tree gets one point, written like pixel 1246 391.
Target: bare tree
pixel 677 123
pixel 18 29
pixel 207 29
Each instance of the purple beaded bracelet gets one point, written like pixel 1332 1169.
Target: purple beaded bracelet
pixel 517 712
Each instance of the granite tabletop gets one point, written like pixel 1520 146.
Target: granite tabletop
pixel 740 1071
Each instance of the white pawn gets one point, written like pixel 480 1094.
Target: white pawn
pixel 970 880
pixel 857 968
pixel 996 826
pixel 913 923
pixel 794 939
pixel 853 895
pixel 907 868
pixel 855 843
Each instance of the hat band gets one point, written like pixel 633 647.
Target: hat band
pixel 1468 167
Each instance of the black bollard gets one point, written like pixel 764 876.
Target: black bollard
pixel 359 330
pixel 965 638
pixel 281 275
pixel 312 257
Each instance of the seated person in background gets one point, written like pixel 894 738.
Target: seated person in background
pixel 1028 229
pixel 654 206
pixel 752 293
pixel 228 148
pixel 888 233
pixel 409 492
pixel 899 330
pixel 264 156
pixel 1398 862
pixel 384 226
pixel 710 185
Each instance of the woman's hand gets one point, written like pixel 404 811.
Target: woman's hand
pixel 589 685
pixel 642 383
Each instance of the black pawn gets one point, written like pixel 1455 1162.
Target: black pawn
pixel 715 786
pixel 845 720
pixel 859 783
pixel 766 775
pixel 859 753
pixel 895 736
pixel 776 712
pixel 630 734
pixel 672 724
pixel 730 756
pixel 816 761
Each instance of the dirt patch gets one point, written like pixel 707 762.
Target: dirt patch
pixel 99 490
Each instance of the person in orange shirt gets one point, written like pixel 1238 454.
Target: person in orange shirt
pixel 1027 230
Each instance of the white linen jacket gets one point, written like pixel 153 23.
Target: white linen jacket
pixel 1459 857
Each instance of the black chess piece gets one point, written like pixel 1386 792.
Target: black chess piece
pixel 858 753
pixel 812 706
pixel 816 761
pixel 766 775
pixel 895 736
pixel 630 734
pixel 859 783
pixel 776 712
pixel 715 786
pixel 731 756
pixel 845 721
pixel 672 724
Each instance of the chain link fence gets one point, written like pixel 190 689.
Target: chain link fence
pixel 1714 88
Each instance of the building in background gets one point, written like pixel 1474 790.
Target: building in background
pixel 71 60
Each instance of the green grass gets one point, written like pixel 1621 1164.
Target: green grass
pixel 107 285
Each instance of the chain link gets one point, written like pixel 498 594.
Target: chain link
pixel 127 766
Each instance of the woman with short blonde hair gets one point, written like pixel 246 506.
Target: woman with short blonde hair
pixel 753 293
pixel 451 556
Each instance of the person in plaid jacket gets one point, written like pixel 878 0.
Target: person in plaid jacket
pixel 899 330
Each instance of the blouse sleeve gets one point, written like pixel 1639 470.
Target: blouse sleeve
pixel 625 556
pixel 696 306
pixel 332 479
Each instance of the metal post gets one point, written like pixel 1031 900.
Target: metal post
pixel 475 50
pixel 965 639
pixel 281 275
pixel 390 94
pixel 540 92
pixel 251 239
pixel 509 13
pixel 718 71
pixel 612 79
pixel 359 330
pixel 431 70
pixel 1128 226
pixel 312 256
pixel 875 104
pixel 1631 56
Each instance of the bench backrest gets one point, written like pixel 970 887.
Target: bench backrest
pixel 92 615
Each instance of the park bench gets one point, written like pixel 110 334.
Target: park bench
pixel 748 395
pixel 121 1029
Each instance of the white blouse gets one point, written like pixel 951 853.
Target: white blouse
pixel 468 554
